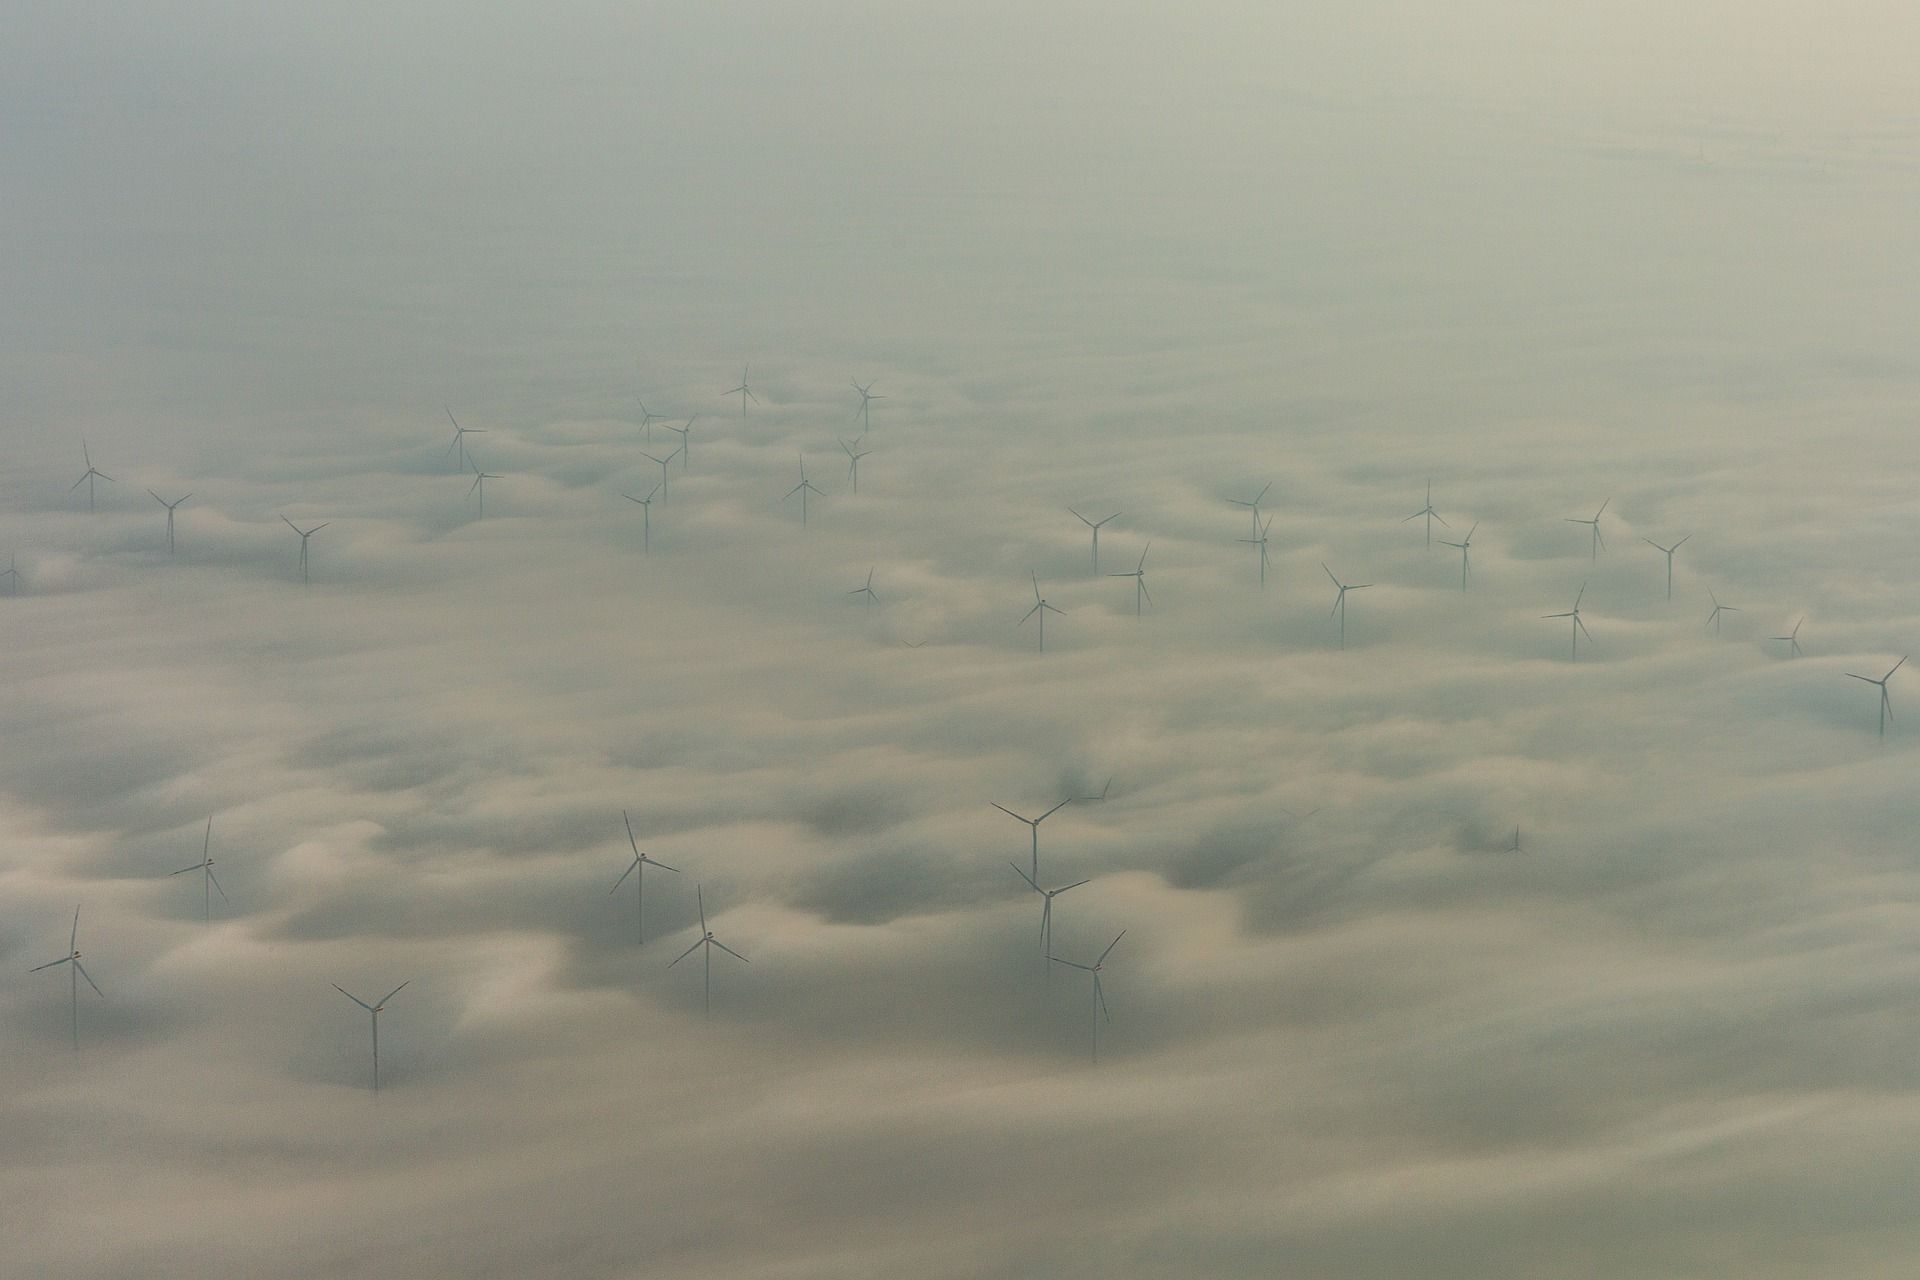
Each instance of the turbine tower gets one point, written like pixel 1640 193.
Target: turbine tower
pixel 1886 703
pixel 1033 823
pixel 205 865
pixel 1340 601
pixel 1139 576
pixel 638 870
pixel 1668 552
pixel 1099 999
pixel 1041 607
pixel 374 1011
pixel 170 508
pixel 304 535
pixel 12 574
pixel 79 971
pixel 1431 516
pixel 88 476
pixel 1578 626
pixel 708 941
pixel 1464 544
pixel 1095 526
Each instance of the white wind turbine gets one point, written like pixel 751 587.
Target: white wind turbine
pixel 304 535
pixel 853 461
pixel 88 476
pixel 1886 702
pixel 638 870
pixel 459 444
pixel 374 1011
pixel 1260 540
pixel 866 399
pixel 170 508
pixel 1254 505
pixel 479 486
pixel 79 971
pixel 205 865
pixel 1139 576
pixel 1578 626
pixel 646 518
pixel 1340 601
pixel 866 590
pixel 1041 607
pixel 1668 553
pixel 647 418
pixel 662 486
pixel 708 941
pixel 686 440
pixel 1598 541
pixel 1034 824
pixel 1713 619
pixel 1095 526
pixel 1792 639
pixel 1464 544
pixel 1099 997
pixel 1431 516
pixel 803 489
pixel 744 391
pixel 1046 907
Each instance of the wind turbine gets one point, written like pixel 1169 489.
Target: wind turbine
pixel 79 971
pixel 1340 601
pixel 803 489
pixel 638 870
pixel 374 1010
pixel 205 865
pixel 1713 619
pixel 866 398
pixel 686 438
pixel 662 486
pixel 304 535
pixel 1578 626
pixel 1139 576
pixel 1515 846
pixel 1792 638
pixel 648 417
pixel 1886 703
pixel 853 461
pixel 1095 526
pixel 866 590
pixel 169 506
pixel 1668 552
pixel 1046 907
pixel 1254 505
pixel 1431 516
pixel 743 391
pixel 1463 544
pixel 1260 540
pixel 1034 823
pixel 12 574
pixel 1041 607
pixel 708 941
pixel 460 435
pixel 1099 999
pixel 1598 541
pixel 88 476
pixel 479 485
pixel 646 518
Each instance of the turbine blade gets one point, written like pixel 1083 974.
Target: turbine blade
pixel 1101 996
pixel 1890 670
pixel 216 887
pixel 730 951
pixel 1029 613
pixel 391 994
pixel 1010 813
pixel 349 995
pixel 1024 876
pixel 624 874
pixel 89 977
pixel 699 896
pixel 1336 582
pixel 73 939
pixel 1057 808
pixel 663 866
pixel 182 871
pixel 1110 946
pixel 50 964
pixel 1075 885
pixel 689 951
pixel 1070 964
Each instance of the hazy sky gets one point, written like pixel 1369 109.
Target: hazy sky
pixel 1661 255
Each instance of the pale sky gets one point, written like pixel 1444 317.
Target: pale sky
pixel 1099 256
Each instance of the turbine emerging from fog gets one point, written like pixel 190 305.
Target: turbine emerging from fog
pixel 88 476
pixel 866 401
pixel 1598 541
pixel 638 870
pixel 1713 619
pixel 1040 607
pixel 1139 576
pixel 459 444
pixel 374 1011
pixel 1095 526
pixel 646 518
pixel 1465 544
pixel 1578 626
pixel 804 488
pixel 1886 702
pixel 1668 552
pixel 304 535
pixel 1034 824
pixel 854 455
pixel 170 509
pixel 1260 540
pixel 708 941
pixel 79 971
pixel 1099 998
pixel 209 885
pixel 1791 639
pixel 1431 516
pixel 1046 907
pixel 479 486
pixel 1340 601
pixel 744 391
pixel 1254 505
